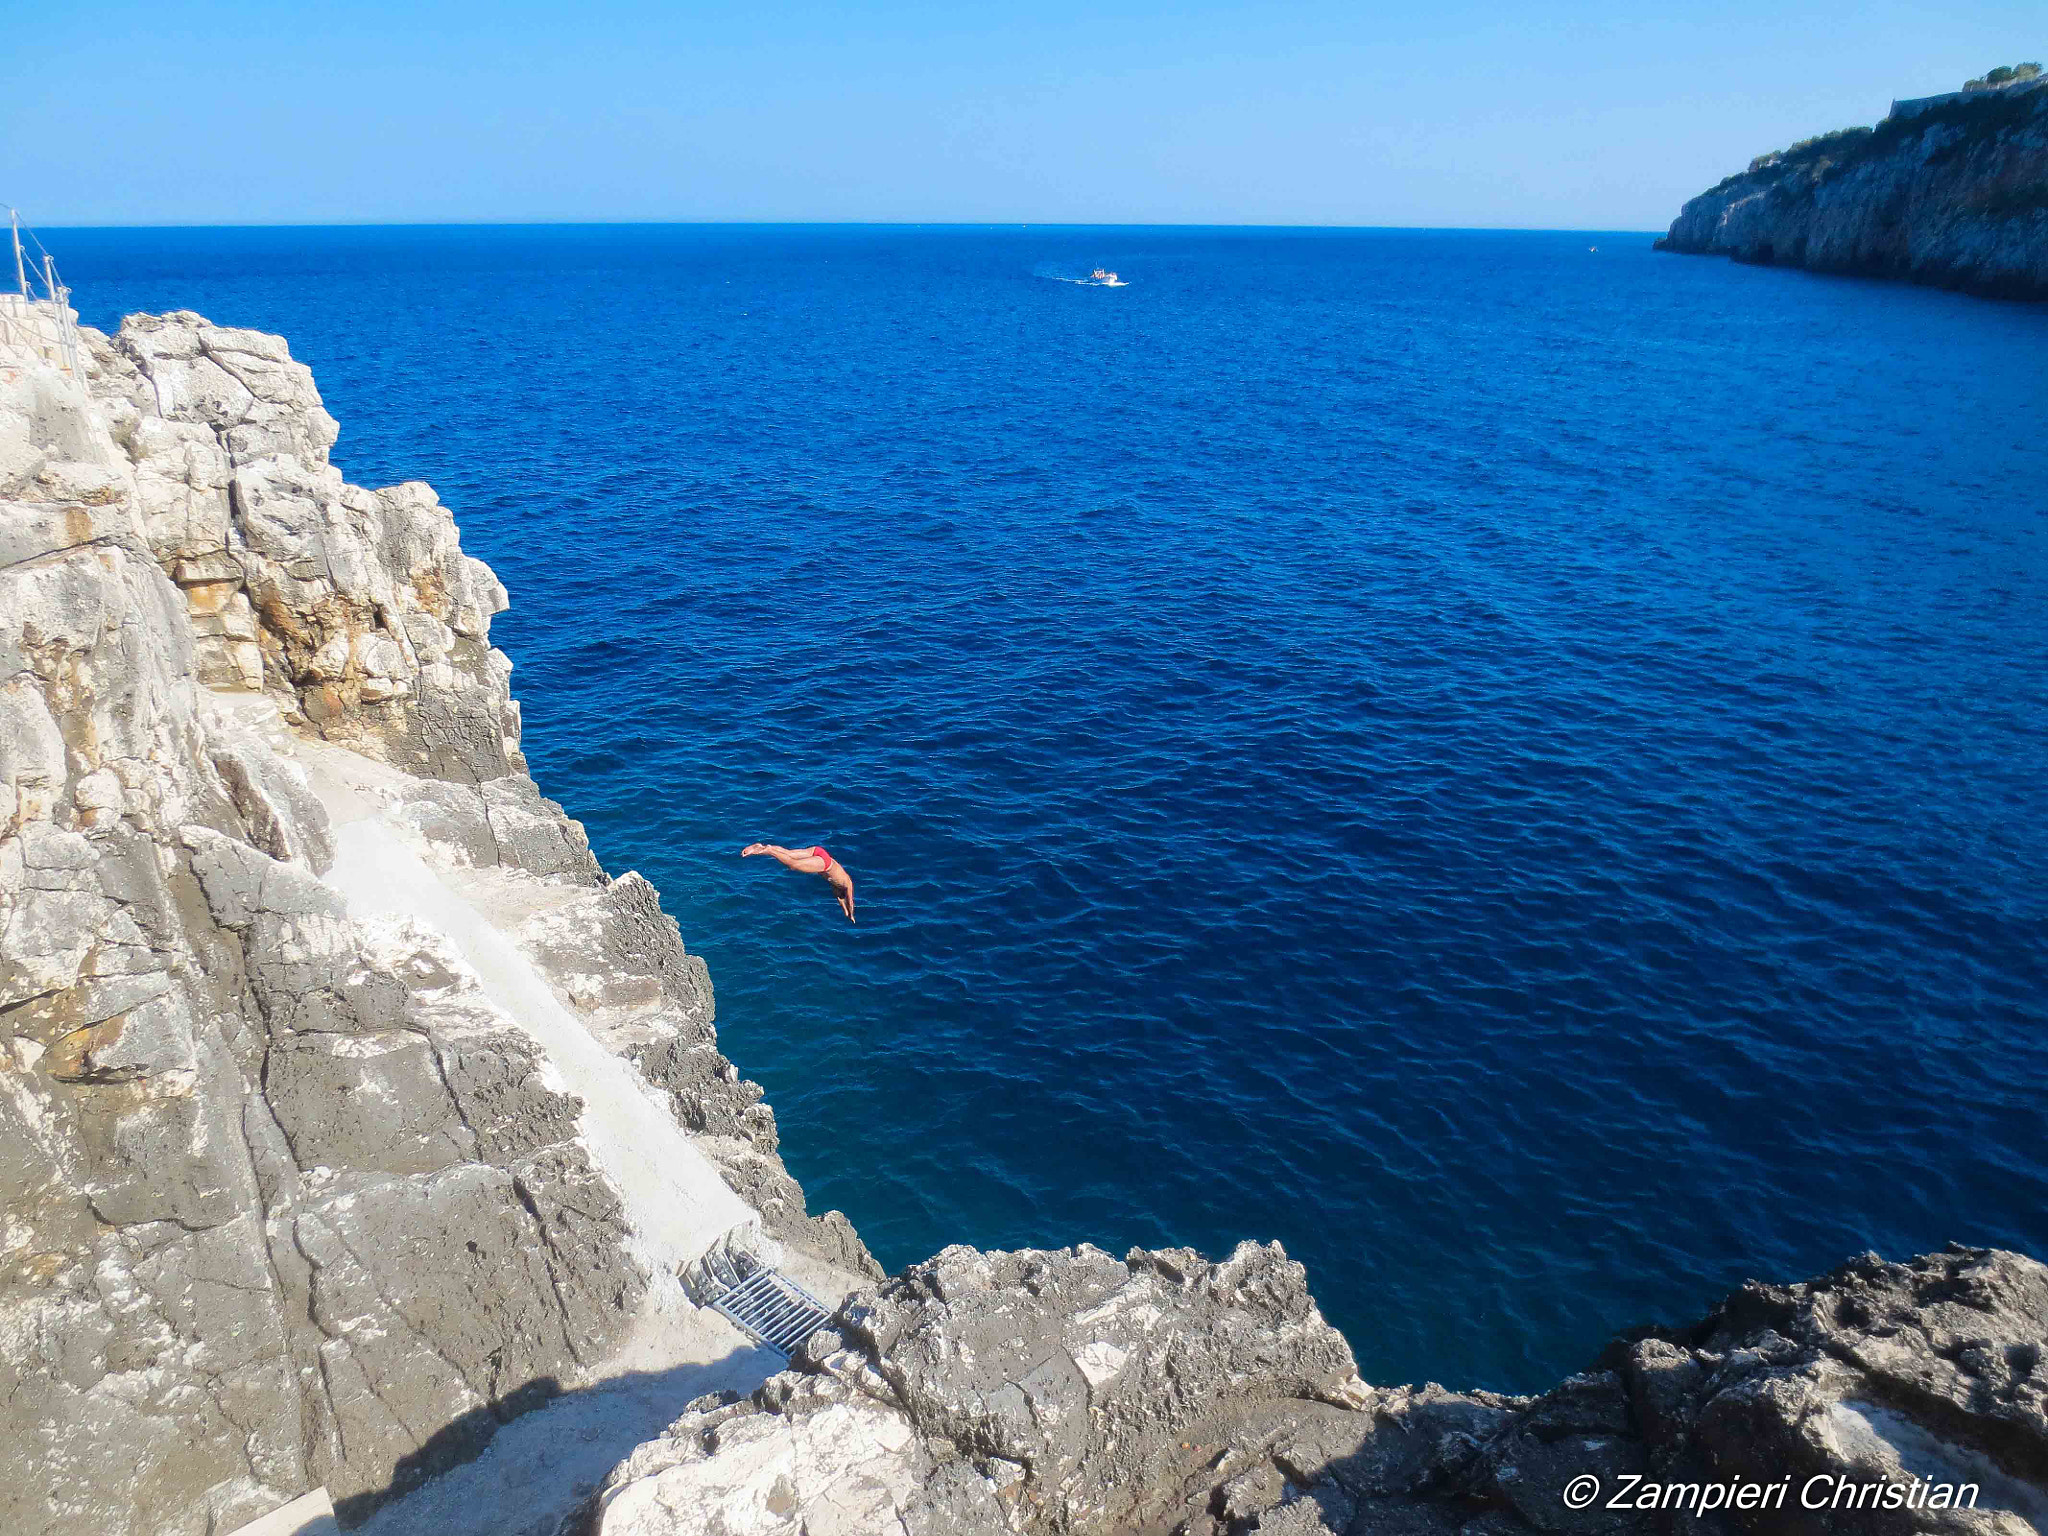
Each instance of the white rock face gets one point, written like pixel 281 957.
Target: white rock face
pixel 287 1197
pixel 846 1470
pixel 679 1206
pixel 356 609
pixel 1070 1393
pixel 984 1393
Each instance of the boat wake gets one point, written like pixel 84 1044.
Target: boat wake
pixel 1099 278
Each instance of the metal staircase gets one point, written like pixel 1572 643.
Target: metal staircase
pixel 765 1304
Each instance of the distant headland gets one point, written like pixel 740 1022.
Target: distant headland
pixel 1949 190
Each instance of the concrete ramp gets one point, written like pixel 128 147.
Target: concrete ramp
pixel 308 1515
pixel 678 1204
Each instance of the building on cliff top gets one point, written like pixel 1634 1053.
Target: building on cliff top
pixel 2016 86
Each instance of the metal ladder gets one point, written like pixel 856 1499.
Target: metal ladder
pixel 766 1304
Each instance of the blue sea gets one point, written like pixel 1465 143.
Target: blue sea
pixel 1516 769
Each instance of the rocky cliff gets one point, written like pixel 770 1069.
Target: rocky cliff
pixel 293 1189
pixel 1074 1394
pixel 1950 190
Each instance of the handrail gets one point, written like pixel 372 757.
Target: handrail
pixel 42 325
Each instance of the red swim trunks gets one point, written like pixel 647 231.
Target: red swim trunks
pixel 821 853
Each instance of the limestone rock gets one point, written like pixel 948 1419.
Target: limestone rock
pixel 618 960
pixel 357 609
pixel 1951 191
pixel 1069 1393
pixel 285 1199
pixel 1054 1391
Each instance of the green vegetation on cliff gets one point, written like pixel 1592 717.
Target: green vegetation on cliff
pixel 2005 74
pixel 1827 155
pixel 1949 189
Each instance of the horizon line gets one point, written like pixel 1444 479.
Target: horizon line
pixel 990 224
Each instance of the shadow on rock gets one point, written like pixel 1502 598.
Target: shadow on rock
pixel 520 1470
pixel 1880 1398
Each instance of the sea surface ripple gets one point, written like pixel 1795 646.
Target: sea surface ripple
pixel 1517 770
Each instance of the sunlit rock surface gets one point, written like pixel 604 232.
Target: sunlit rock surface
pixel 1076 1393
pixel 286 1200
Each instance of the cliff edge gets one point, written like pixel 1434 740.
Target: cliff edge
pixel 348 1109
pixel 1948 190
pixel 1075 1394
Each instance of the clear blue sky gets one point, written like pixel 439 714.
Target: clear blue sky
pixel 1584 114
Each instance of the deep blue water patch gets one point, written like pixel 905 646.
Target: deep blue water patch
pixel 1515 769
